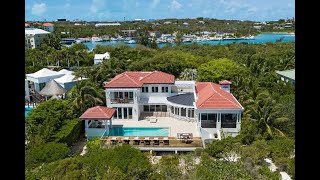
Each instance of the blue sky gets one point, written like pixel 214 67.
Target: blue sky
pixel 116 10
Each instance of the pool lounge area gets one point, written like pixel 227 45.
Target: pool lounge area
pixel 137 131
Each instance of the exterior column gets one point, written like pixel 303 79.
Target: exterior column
pixel 199 119
pixel 238 122
pixel 218 121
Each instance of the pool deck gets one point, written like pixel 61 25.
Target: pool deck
pixel 175 125
pixel 174 143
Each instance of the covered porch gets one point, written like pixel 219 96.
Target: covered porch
pixel 98 121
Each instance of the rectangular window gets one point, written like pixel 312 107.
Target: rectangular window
pixel 212 117
pixel 142 89
pixel 165 89
pixel 146 108
pixel 158 108
pixel 125 113
pixel 228 120
pixel 130 113
pixel 130 95
pixel 115 116
pixel 183 112
pixel 204 116
pixel 155 89
pixel 146 89
pixel 121 95
pixel 176 111
pixel 119 113
pixel 164 108
pixel 162 89
pixel 152 108
pixel 126 95
pixel 191 113
pixel 172 110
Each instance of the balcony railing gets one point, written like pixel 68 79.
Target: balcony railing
pixel 208 124
pixel 122 101
pixel 228 125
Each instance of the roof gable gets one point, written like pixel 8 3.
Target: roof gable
pixel 211 96
pixel 98 112
pixel 137 79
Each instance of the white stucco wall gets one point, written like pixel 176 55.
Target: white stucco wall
pixel 26 89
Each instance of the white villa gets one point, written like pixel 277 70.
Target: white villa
pixel 33 37
pixel 39 79
pixel 200 108
pixel 98 58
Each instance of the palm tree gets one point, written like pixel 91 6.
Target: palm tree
pixel 189 74
pixel 84 95
pixel 264 111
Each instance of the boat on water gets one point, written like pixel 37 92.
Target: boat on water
pixel 131 42
pixel 96 39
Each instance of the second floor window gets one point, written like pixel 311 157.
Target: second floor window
pixel 165 89
pixel 155 89
pixel 145 89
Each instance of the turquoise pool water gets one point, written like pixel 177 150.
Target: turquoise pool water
pixel 26 111
pixel 126 131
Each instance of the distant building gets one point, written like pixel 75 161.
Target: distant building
pixel 26 25
pixel 48 27
pixel 61 20
pixel 186 24
pixel 34 37
pixel 107 24
pixel 154 33
pixel 257 27
pixel 287 76
pixel 98 58
pixel 201 22
pixel 140 20
pixel 167 22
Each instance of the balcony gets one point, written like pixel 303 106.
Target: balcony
pixel 122 101
pixel 208 124
pixel 228 125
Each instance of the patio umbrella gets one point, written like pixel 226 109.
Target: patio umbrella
pixel 52 88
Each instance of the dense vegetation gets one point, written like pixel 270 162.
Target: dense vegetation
pixel 267 129
pixel 195 26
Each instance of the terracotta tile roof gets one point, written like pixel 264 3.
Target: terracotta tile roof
pixel 137 79
pixel 211 96
pixel 158 77
pixel 47 24
pixel 225 82
pixel 98 112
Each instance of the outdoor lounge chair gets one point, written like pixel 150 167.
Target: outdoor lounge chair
pixel 136 141
pixel 126 140
pixel 147 141
pixel 156 141
pixel 165 141
pixel 114 140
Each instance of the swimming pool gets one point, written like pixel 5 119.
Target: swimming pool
pixel 129 131
pixel 26 111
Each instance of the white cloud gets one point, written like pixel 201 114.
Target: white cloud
pixel 97 5
pixel 175 5
pixel 38 9
pixel 154 4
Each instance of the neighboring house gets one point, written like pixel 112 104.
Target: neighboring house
pixel 48 27
pixel 26 24
pixel 68 80
pixel 34 37
pixel 154 33
pixel 63 77
pixel 210 105
pixel 185 23
pixel 287 75
pixel 167 22
pixel 98 58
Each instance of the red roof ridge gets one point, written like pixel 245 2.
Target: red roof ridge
pixel 100 109
pixel 224 96
pixel 215 92
pixel 131 79
pixel 147 75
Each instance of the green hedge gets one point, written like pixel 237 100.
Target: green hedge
pixel 69 132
